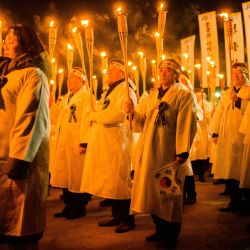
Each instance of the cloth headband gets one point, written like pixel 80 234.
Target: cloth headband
pixel 118 65
pixel 171 65
pixel 79 74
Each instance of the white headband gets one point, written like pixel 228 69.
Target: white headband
pixel 118 65
pixel 171 65
pixel 79 74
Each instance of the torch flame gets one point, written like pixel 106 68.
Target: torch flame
pixel 104 71
pixel 221 76
pixel 208 58
pixel 52 82
pixel 103 54
pixel 197 66
pixel 85 22
pixel 74 29
pixel 129 63
pixel 134 68
pixel 60 71
pixel 119 10
pixel 163 57
pixel 157 34
pixel 141 54
pixel 51 23
pixel 208 73
pixel 153 62
pixel 185 55
pixel 94 76
pixel 153 79
pixel 69 46
pixel 225 15
pixel 161 6
pixel 182 68
pixel 53 60
pixel 212 63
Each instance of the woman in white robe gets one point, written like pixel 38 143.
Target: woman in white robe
pixel 24 138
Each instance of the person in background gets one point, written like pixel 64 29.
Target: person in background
pixel 108 159
pixel 225 128
pixel 71 145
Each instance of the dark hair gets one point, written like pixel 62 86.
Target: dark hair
pixel 239 64
pixel 28 40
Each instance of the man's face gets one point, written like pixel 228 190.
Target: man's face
pixel 238 77
pixel 10 44
pixel 167 74
pixel 74 82
pixel 114 74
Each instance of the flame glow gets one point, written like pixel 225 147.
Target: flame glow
pixel 221 76
pixel 134 68
pixel 225 15
pixel 69 46
pixel 129 63
pixel 197 66
pixel 53 60
pixel 52 82
pixel 74 29
pixel 60 71
pixel 157 34
pixel 52 23
pixel 85 22
pixel 103 54
pixel 141 54
pixel 185 55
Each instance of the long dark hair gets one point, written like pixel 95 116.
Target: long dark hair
pixel 28 40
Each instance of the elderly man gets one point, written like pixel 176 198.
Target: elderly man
pixel 225 128
pixel 168 123
pixel 70 146
pixel 107 163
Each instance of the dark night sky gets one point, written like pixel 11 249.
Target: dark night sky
pixel 182 20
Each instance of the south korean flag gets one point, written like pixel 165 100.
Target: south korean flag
pixel 166 182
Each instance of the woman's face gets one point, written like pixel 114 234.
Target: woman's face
pixel 10 44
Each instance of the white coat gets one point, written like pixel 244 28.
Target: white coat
pixel 108 159
pixel 158 147
pixel 68 162
pixel 225 122
pixel 245 171
pixel 24 135
pixel 198 149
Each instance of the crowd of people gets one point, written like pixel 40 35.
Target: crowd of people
pixel 139 154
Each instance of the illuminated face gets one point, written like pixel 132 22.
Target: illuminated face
pixel 238 77
pixel 74 82
pixel 167 74
pixel 10 44
pixel 114 74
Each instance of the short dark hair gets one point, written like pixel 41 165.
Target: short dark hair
pixel 28 40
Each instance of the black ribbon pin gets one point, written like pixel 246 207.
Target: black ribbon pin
pixel 72 113
pixel 161 113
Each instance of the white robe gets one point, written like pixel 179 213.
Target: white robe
pixel 67 161
pixel 225 122
pixel 24 135
pixel 158 146
pixel 108 159
pixel 244 129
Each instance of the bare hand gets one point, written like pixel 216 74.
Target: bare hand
pixel 180 160
pixel 233 96
pixel 82 150
pixel 215 139
pixel 128 107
